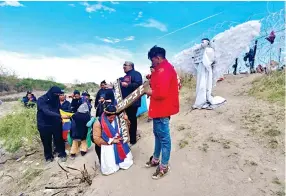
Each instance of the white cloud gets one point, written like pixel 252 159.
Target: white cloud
pixel 95 7
pixel 130 38
pixel 140 15
pixel 151 23
pixel 109 40
pixel 11 3
pixel 114 2
pixel 115 40
pixel 72 5
pixel 89 63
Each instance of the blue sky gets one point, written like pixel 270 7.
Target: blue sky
pixel 89 41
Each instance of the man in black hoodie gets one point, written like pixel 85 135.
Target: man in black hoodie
pixel 131 81
pixel 49 123
pixel 104 91
pixel 76 101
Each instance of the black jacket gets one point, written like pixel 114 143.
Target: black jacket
pixel 75 104
pixel 66 106
pixel 136 81
pixel 106 94
pixel 48 110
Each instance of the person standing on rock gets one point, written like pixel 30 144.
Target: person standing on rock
pixel 164 102
pixel 49 123
pixel 129 83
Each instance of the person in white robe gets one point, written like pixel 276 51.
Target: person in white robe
pixel 107 135
pixel 205 60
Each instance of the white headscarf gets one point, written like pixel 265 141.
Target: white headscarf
pixel 83 108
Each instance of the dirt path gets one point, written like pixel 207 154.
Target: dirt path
pixel 234 150
pixel 213 154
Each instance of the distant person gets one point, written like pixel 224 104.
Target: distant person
pixel 129 83
pixel 148 77
pixel 66 109
pixel 76 101
pixel 104 89
pixel 65 104
pixel 235 67
pixel 85 98
pixel 105 100
pixel 49 123
pixel 164 102
pixel 79 130
pixel 29 100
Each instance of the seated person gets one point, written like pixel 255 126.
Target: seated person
pixel 113 154
pixel 29 100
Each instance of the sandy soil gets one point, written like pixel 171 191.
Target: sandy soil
pixel 234 150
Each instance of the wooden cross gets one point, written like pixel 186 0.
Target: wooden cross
pixel 122 104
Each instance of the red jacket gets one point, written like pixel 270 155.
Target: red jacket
pixel 164 100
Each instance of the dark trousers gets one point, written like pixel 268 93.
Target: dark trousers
pixel 98 152
pixel 47 136
pixel 131 113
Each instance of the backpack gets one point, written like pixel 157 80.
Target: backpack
pixel 89 137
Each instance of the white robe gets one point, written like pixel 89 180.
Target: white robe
pixel 204 98
pixel 108 164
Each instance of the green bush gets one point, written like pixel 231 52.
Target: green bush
pixel 32 84
pixel 89 86
pixel 18 129
pixel 270 87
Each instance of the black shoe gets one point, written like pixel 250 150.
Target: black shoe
pixel 82 153
pixel 49 160
pixel 72 156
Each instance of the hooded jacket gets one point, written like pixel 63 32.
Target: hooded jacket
pixel 134 80
pixel 48 110
pixel 107 93
pixel 164 100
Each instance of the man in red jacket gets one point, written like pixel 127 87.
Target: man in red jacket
pixel 164 102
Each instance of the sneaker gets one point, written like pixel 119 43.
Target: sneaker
pixel 63 159
pixel 151 163
pixel 49 160
pixel 82 153
pixel 160 172
pixel 72 156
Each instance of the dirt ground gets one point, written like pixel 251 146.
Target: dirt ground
pixel 236 149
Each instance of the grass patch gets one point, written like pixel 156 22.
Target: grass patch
pixel 183 144
pixel 276 181
pixel 204 148
pixel 270 87
pixel 19 129
pixel 181 128
pixel 30 174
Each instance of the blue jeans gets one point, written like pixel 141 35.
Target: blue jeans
pixel 161 131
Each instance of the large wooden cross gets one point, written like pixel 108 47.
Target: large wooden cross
pixel 122 104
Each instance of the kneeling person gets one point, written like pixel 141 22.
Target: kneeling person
pixel 106 134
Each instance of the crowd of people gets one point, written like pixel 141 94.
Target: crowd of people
pixel 61 121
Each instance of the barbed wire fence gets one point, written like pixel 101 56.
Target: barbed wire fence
pixel 265 50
